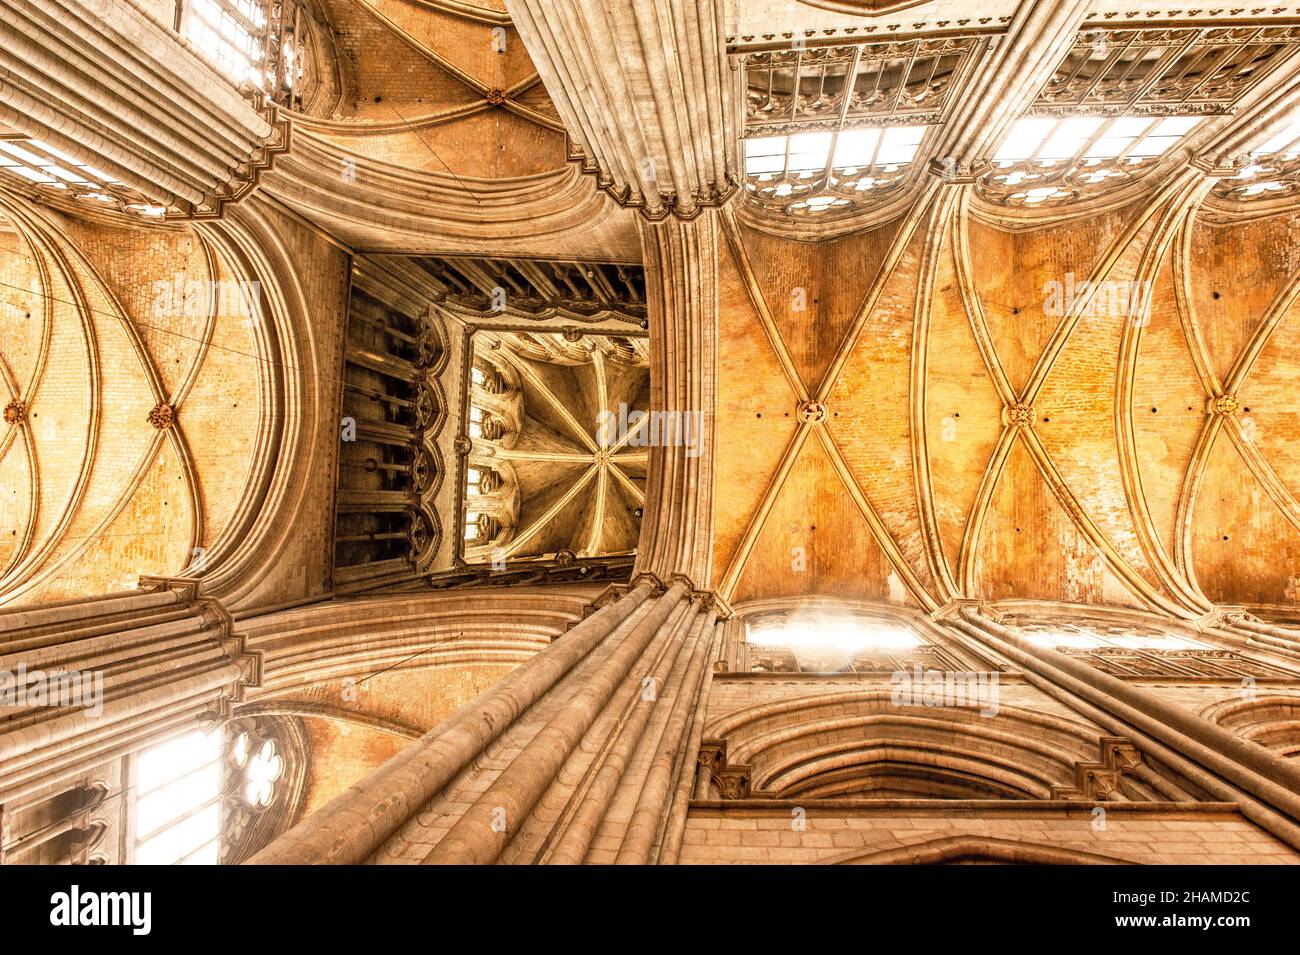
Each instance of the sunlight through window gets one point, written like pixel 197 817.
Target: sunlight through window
pixel 1048 140
pixel 837 632
pixel 178 800
pixel 854 149
pixel 1080 640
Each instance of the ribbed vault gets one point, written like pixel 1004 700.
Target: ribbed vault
pixel 125 449
pixel 1092 411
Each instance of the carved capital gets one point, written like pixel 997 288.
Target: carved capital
pixel 957 171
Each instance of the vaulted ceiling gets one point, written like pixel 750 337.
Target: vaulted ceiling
pixel 127 447
pixel 911 414
pixel 569 457
pixel 423 87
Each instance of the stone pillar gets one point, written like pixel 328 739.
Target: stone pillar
pixel 352 827
pixel 480 835
pixel 682 295
pixel 109 85
pixel 646 93
pixel 1266 786
pixel 125 668
pixel 581 754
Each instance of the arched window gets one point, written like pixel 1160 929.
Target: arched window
pixel 214 795
pixel 260 42
pixel 1045 160
pixel 823 171
pixel 58 173
pixel 831 130
pixel 177 812
pixel 1273 171
pixel 1125 650
pixel 833 640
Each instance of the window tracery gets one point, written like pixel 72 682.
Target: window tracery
pixel 1166 71
pixel 216 794
pixel 804 642
pixel 1049 160
pixel 1121 101
pixel 1130 651
pixel 264 43
pixel 809 174
pixel 34 162
pixel 830 129
pixel 1273 171
pixel 480 528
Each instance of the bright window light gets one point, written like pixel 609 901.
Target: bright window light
pixel 841 633
pixel 264 768
pixel 41 162
pixel 1024 138
pixel 1176 126
pixel 856 148
pixel 1285 142
pixel 1050 141
pixel 1043 193
pixel 765 155
pixel 225 33
pixel 177 800
pixel 1153 146
pixel 1069 137
pixel 898 145
pixel 808 152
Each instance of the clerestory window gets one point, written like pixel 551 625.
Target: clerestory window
pixel 1273 170
pixel 834 641
pixel 36 162
pixel 260 42
pixel 1047 160
pixel 187 790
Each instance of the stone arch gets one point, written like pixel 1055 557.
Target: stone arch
pixel 958 850
pixel 1271 720
pixel 860 743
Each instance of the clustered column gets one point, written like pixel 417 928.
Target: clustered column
pixel 88 681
